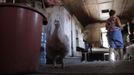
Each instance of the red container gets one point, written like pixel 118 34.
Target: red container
pixel 20 36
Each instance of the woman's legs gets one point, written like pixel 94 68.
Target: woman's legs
pixel 112 54
pixel 118 41
pixel 120 51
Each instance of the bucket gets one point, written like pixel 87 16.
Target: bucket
pixel 20 38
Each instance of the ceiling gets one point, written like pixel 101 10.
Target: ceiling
pixel 90 11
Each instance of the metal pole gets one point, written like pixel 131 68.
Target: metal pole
pixel 128 27
pixel 72 40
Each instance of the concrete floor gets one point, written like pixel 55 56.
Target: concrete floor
pixel 88 68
